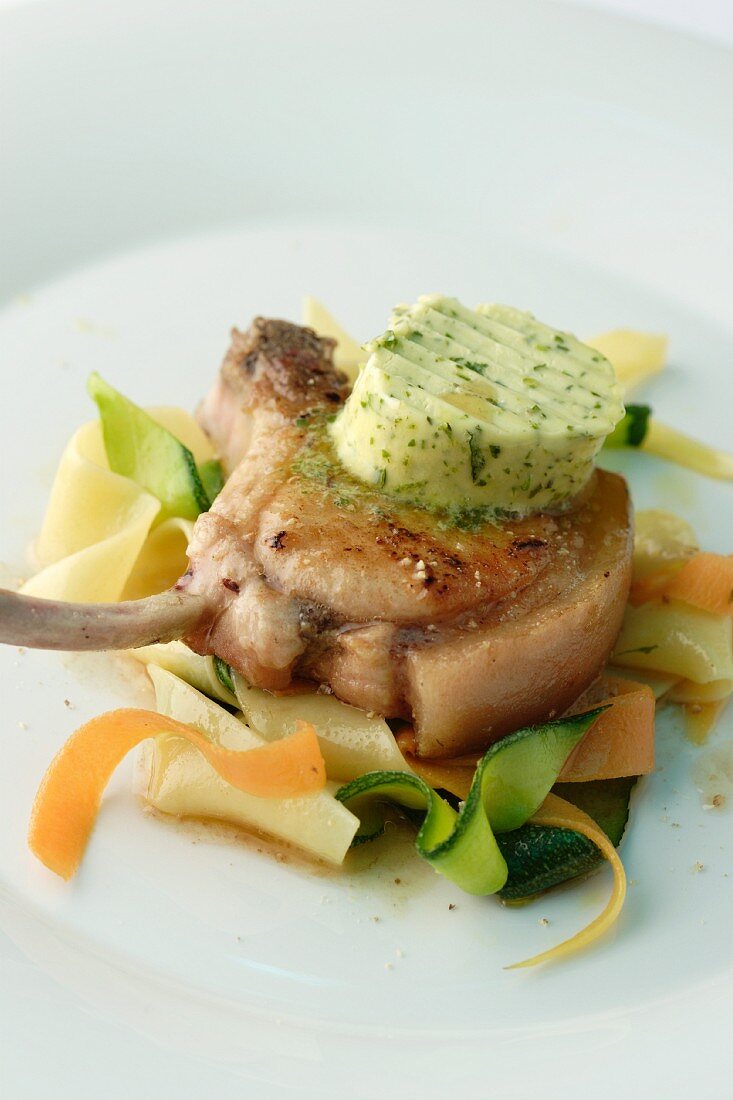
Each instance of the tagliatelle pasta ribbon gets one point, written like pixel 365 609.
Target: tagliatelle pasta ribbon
pixel 95 526
pixel 99 542
pixel 636 356
pixel 161 561
pixel 67 802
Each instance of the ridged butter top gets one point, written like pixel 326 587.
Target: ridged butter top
pixel 465 409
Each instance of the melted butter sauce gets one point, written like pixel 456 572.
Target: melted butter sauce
pixel 319 467
pixel 386 873
pixel 321 473
pixel 700 719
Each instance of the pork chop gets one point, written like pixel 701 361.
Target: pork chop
pixel 468 631
pixel 299 572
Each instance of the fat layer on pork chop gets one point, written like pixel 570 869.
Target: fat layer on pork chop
pixel 307 573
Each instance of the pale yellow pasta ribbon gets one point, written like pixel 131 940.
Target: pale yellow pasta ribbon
pixel 99 541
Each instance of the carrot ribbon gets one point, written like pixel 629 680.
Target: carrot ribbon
pixel 67 802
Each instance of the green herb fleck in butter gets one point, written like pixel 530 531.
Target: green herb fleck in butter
pixel 461 409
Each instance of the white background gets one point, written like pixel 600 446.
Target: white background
pixel 711 18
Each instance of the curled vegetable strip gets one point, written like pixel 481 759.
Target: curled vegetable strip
pixel 675 446
pixel 637 357
pixel 640 429
pixel 631 431
pixel 620 743
pixel 560 814
pixel 141 449
pixel 512 780
pixel 705 581
pixel 67 802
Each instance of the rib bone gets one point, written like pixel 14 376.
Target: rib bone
pixel 51 624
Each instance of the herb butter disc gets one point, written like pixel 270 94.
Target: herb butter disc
pixel 465 409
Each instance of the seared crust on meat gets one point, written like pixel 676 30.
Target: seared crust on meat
pixel 275 369
pixel 307 573
pixel 288 365
pixel 395 563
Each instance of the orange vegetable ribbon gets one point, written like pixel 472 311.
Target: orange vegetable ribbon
pixel 68 799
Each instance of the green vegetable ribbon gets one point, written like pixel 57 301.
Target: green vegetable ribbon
pixel 511 782
pixel 140 448
pixel 224 675
pixel 630 431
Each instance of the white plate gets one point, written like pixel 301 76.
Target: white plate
pixel 171 169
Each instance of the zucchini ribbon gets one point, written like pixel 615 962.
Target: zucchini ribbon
pixel 511 782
